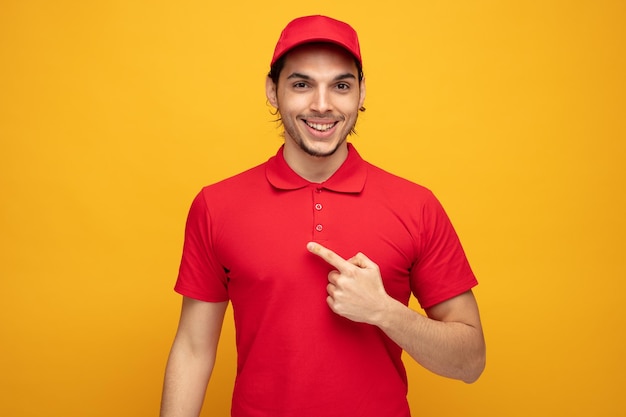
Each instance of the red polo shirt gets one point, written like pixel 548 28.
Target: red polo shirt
pixel 245 241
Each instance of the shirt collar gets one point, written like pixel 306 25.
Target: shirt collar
pixel 349 178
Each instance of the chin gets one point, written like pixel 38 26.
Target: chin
pixel 321 152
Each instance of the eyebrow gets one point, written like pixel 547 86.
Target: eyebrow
pixel 339 77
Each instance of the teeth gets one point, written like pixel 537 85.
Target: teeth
pixel 320 127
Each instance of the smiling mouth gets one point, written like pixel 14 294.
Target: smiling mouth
pixel 320 127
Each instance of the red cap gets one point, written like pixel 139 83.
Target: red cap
pixel 311 29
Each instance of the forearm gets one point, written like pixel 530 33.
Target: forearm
pixel 449 348
pixel 186 379
pixel 192 358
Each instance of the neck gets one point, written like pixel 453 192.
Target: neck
pixel 316 169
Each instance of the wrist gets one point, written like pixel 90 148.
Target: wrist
pixel 385 315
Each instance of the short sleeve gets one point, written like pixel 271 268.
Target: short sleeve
pixel 442 270
pixel 200 274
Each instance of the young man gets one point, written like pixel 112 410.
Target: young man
pixel 319 251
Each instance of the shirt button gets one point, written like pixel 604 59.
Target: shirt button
pixel 318 207
pixel 319 227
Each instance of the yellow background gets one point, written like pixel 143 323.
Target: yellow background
pixel 114 113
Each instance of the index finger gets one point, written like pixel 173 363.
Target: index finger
pixel 329 256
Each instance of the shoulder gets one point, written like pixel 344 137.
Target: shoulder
pixel 383 181
pixel 231 191
pixel 238 183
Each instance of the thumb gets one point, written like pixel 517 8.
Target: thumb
pixel 360 260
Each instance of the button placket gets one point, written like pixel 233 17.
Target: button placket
pixel 318 214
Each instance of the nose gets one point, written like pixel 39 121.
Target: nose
pixel 321 101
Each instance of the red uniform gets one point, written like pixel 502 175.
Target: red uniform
pixel 246 241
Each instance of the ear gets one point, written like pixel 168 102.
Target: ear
pixel 270 92
pixel 362 93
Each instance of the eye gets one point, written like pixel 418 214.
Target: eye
pixel 343 86
pixel 299 85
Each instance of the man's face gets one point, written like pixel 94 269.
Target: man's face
pixel 318 96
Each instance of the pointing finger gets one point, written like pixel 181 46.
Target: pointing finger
pixel 329 256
